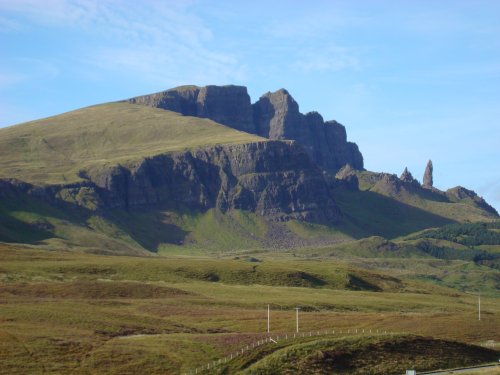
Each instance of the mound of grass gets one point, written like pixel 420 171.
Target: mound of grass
pixel 375 355
pixel 55 149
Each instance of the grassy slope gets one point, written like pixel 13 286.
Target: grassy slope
pixel 360 355
pixel 29 220
pixel 65 312
pixel 425 204
pixel 369 213
pixel 54 149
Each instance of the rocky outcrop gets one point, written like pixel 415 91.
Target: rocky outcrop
pixel 274 179
pixel 346 178
pixel 460 194
pixel 227 105
pixel 407 177
pixel 428 179
pixel 388 184
pixel 275 116
pixel 394 186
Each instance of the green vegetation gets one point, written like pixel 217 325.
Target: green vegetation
pixel 56 149
pixel 74 312
pixel 414 206
pixel 360 355
pixel 370 213
pixel 469 234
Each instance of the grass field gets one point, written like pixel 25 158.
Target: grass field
pixel 55 149
pixel 72 312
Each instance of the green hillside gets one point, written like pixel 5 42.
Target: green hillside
pixel 418 207
pixel 66 312
pixel 55 149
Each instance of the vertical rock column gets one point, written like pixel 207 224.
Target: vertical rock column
pixel 428 181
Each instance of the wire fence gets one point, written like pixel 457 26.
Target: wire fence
pixel 275 339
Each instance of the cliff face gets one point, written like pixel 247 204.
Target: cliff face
pixel 227 105
pixel 273 179
pixel 275 116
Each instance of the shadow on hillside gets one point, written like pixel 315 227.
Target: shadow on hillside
pixel 367 213
pixel 431 195
pixel 148 227
pixel 26 219
pixel 17 231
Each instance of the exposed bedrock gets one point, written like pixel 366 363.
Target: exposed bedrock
pixel 275 116
pixel 270 178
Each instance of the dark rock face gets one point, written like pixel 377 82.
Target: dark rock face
pixel 275 116
pixel 463 195
pixel 272 178
pixel 227 105
pixel 428 180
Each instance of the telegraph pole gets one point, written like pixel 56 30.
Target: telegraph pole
pixel 479 305
pixel 268 318
pixel 297 318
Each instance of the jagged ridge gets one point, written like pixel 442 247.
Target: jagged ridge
pixel 275 116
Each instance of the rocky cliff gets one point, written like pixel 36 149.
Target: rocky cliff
pixel 275 116
pixel 272 178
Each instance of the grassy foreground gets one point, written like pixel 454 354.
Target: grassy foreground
pixel 66 312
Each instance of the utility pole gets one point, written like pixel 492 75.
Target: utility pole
pixel 268 318
pixel 297 318
pixel 479 305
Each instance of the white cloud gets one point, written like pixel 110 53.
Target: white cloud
pixel 160 41
pixel 49 12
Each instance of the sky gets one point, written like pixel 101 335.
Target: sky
pixel 411 80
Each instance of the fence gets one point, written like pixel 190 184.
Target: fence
pixel 212 365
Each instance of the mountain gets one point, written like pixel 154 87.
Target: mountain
pixel 274 116
pixel 204 167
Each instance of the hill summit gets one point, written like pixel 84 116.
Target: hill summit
pixel 274 116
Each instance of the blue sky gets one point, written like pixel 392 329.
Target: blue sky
pixel 411 80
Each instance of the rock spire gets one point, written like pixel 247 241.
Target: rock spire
pixel 406 176
pixel 428 181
